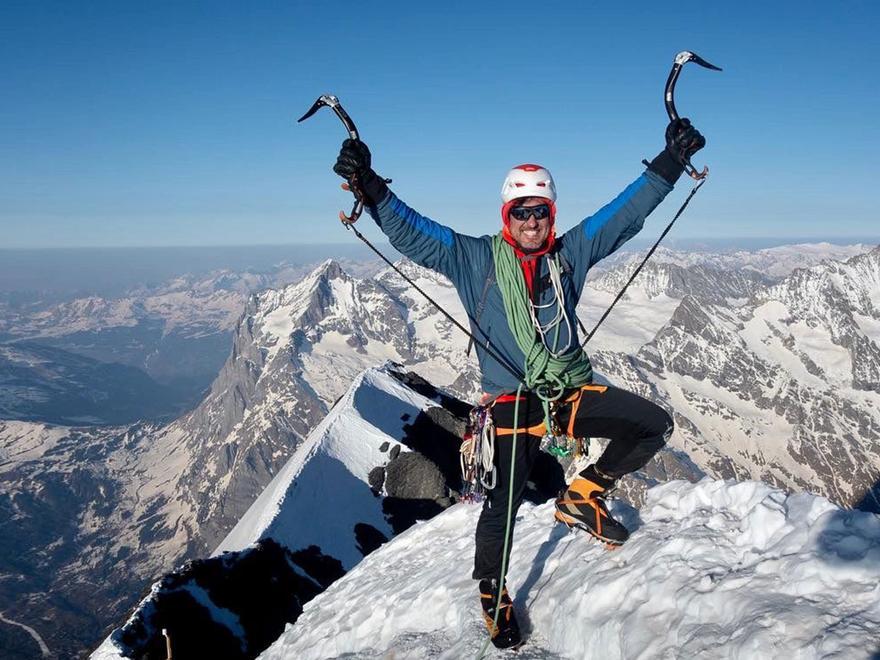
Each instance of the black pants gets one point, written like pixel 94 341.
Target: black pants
pixel 636 427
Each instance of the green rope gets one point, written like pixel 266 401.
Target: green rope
pixel 546 375
pixel 507 528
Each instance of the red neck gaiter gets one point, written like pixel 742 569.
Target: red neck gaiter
pixel 529 260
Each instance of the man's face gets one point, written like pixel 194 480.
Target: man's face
pixel 530 234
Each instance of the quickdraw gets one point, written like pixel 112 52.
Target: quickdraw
pixel 477 457
pixel 559 442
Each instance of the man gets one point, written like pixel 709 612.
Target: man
pixel 520 289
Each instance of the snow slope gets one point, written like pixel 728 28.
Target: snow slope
pixel 323 512
pixel 327 479
pixel 716 569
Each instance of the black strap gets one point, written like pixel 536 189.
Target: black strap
pixel 490 278
pixel 512 370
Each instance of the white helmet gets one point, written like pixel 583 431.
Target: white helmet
pixel 528 180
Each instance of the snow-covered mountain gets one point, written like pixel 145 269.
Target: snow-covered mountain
pixel 386 456
pixel 715 569
pixel 139 500
pixel 186 304
pixel 775 262
pixel 781 387
pixel 738 570
pixel 177 333
pixel 174 492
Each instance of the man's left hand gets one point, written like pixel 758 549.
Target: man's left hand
pixel 683 140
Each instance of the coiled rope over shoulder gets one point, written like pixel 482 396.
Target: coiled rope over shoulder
pixel 547 373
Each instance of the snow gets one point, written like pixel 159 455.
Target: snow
pixel 332 360
pixel 322 492
pixel 278 325
pixel 633 322
pixel 810 339
pixel 715 569
pixel 777 261
pixel 219 614
pixel 868 325
pixel 27 441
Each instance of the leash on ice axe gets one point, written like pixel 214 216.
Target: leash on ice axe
pixel 678 63
pixel 330 101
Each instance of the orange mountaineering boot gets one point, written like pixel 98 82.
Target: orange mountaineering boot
pixel 583 506
pixel 506 634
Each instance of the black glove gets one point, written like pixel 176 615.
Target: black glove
pixel 682 139
pixel 353 165
pixel 682 142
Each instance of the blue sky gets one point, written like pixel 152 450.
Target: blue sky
pixel 171 123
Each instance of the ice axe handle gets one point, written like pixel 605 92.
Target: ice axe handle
pixel 358 207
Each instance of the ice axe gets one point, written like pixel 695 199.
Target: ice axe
pixel 330 101
pixel 681 59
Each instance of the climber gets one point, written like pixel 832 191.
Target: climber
pixel 519 289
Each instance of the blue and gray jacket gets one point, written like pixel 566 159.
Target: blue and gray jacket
pixel 467 262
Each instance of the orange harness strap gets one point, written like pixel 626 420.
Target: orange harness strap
pixel 540 429
pixel 575 400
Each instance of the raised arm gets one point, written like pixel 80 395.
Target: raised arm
pixel 614 224
pixel 600 234
pixel 426 242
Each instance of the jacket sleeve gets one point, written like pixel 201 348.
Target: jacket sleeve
pixel 615 223
pixel 426 242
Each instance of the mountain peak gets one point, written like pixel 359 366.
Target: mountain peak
pixel 329 269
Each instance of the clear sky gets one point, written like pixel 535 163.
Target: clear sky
pixel 172 123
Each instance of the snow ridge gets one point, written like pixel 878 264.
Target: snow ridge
pixel 714 569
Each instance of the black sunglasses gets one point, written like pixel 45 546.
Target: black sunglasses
pixel 523 213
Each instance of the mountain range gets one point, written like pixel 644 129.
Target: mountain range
pixel 771 377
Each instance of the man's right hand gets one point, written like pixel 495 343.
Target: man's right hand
pixel 354 158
